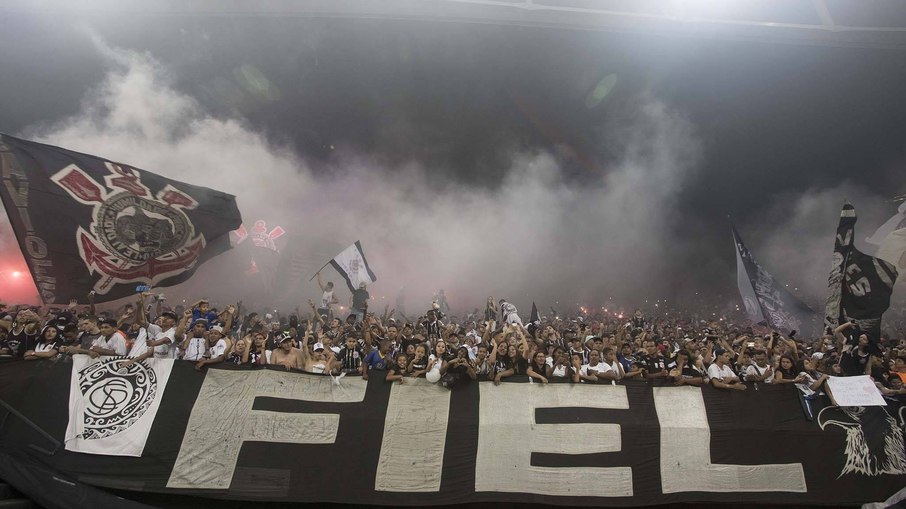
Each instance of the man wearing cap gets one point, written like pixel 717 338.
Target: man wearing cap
pixel 216 348
pixel 721 374
pixel 111 341
pixel 286 354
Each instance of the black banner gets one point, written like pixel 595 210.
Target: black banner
pixel 85 223
pixel 268 434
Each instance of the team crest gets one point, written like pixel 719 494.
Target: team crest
pixel 115 396
pixel 134 236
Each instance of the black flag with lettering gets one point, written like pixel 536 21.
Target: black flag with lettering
pixel 767 300
pixel 88 224
pixel 859 286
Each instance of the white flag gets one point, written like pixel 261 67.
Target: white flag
pixel 891 239
pixel 352 265
pixel 112 405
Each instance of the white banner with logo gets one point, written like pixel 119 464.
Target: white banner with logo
pixel 112 403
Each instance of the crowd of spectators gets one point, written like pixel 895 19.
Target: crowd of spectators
pixel 494 345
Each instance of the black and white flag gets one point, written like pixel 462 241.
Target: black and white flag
pixel 859 285
pixel 352 265
pixel 766 300
pixel 112 403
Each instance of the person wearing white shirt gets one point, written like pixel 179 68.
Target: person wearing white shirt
pixel 608 369
pixel 760 370
pixel 195 345
pixel 589 372
pixel 216 348
pixel 111 341
pixel 720 373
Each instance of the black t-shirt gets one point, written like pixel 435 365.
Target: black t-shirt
pixel 520 367
pixel 690 371
pixel 359 298
pixel 853 361
pixel 21 342
pixel 419 364
pixel 87 339
pixel 460 371
pixel 655 363
pixel 541 370
pixel 409 341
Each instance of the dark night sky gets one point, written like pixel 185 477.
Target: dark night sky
pixel 774 119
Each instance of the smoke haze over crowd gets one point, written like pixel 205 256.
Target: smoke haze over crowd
pixel 645 220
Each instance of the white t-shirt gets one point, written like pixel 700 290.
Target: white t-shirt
pixel 599 367
pixel 754 370
pixel 603 367
pixel 195 351
pixel 166 351
pixel 117 343
pixel 559 371
pixel 218 349
pixel 724 374
pixel 326 299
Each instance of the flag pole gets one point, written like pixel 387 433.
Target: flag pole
pixel 319 270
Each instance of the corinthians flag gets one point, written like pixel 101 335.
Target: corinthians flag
pixel 85 223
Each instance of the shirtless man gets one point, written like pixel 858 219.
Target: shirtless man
pixel 287 355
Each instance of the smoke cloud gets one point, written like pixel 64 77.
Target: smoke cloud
pixel 536 237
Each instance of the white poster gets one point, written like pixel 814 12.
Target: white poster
pixel 855 391
pixel 112 404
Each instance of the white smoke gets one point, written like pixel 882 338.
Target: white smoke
pixel 537 237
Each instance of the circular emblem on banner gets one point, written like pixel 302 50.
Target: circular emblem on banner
pixel 138 229
pixel 115 396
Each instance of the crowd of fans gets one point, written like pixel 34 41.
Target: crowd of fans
pixel 494 345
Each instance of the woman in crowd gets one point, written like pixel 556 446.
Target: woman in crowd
pixel 259 355
pixel 786 372
pixel 437 363
pixel 538 367
pixel 239 354
pixel 459 369
pixel 561 369
pixel 46 346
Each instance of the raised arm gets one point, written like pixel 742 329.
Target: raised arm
pixel 181 328
pixel 526 353
pixel 314 311
pixel 141 318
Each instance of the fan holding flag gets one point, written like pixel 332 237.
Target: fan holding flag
pixel 352 265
